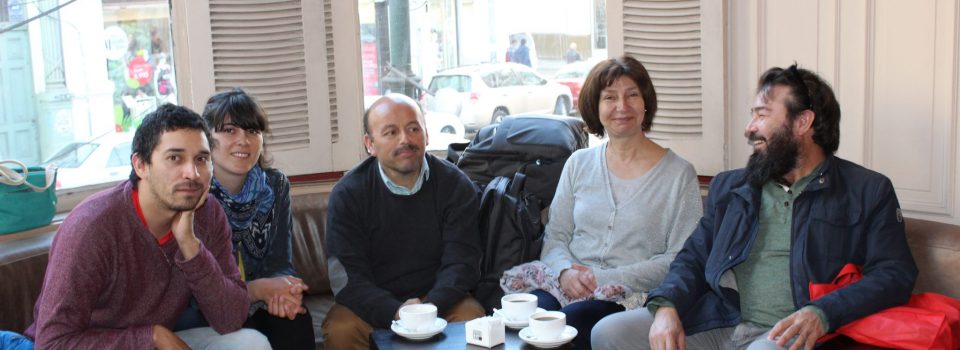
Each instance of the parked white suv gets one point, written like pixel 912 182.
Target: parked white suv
pixel 485 93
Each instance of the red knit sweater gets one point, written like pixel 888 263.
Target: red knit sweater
pixel 109 281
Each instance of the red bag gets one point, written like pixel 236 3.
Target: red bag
pixel 927 321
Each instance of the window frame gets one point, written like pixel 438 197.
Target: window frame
pixel 190 24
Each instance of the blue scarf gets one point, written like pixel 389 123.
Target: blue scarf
pixel 249 212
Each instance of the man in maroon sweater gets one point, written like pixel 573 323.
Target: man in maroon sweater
pixel 127 260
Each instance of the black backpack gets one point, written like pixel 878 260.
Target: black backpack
pixel 536 145
pixel 517 163
pixel 511 231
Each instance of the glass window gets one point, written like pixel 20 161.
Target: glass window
pixel 404 42
pixel 88 71
pixel 508 77
pixel 491 79
pixel 74 154
pixel 528 78
pixel 4 11
pixel 120 156
pixel 459 83
pixel 573 71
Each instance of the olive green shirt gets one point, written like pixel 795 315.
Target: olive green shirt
pixel 763 280
pixel 764 288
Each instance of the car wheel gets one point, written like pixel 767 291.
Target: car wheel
pixel 498 115
pixel 562 107
pixel 448 130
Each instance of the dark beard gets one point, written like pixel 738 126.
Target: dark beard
pixel 778 160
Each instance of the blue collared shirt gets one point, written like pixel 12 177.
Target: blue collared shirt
pixel 403 191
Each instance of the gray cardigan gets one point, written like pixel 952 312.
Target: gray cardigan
pixel 631 242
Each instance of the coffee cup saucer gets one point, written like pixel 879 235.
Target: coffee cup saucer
pixel 526 334
pixel 438 326
pixel 511 323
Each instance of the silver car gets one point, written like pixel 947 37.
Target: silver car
pixel 485 93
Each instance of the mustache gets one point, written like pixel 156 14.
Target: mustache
pixel 188 185
pixel 752 136
pixel 406 147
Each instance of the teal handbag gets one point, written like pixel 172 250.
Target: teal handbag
pixel 26 201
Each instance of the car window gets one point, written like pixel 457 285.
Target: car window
pixel 460 83
pixel 490 79
pixel 120 156
pixel 72 155
pixel 506 77
pixel 529 78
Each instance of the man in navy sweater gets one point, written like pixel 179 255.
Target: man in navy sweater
pixel 401 229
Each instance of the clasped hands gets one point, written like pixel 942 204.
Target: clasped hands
pixel 578 282
pixel 283 295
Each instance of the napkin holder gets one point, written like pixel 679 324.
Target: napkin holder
pixel 485 331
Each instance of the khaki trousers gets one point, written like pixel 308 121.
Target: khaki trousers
pixel 343 329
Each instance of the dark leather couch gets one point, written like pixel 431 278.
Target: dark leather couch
pixel 936 248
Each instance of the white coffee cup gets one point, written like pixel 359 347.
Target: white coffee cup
pixel 547 325
pixel 418 317
pixel 518 306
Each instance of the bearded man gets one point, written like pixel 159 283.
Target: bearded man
pixel 794 217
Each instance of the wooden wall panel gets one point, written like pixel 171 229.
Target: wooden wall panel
pixel 908 137
pixel 894 67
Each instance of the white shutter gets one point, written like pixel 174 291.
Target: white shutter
pixel 259 46
pixel 681 45
pixel 331 69
pixel 665 36
pixel 297 57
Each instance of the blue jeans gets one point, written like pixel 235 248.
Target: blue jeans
pixel 582 315
pixel 14 341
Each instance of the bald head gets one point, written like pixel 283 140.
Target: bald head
pixel 390 103
pixel 395 135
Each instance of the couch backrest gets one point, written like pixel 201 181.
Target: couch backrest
pixel 309 213
pixel 936 249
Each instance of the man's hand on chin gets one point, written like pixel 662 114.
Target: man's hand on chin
pixel 182 227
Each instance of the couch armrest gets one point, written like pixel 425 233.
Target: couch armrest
pixel 22 266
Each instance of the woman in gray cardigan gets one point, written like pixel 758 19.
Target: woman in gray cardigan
pixel 624 208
